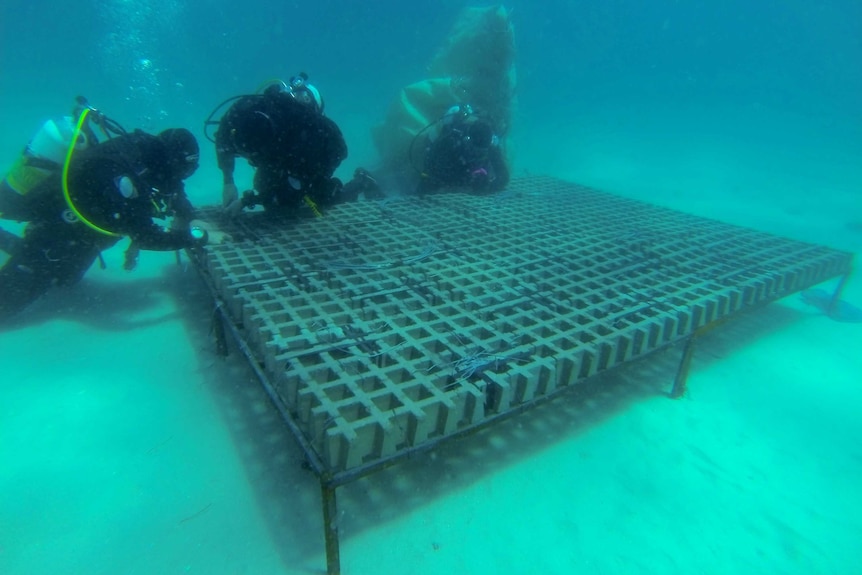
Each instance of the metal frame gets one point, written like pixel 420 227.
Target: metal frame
pixel 634 278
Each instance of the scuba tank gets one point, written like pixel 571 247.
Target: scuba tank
pixel 44 154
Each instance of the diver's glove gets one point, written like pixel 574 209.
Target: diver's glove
pixel 362 183
pixel 229 194
pixel 130 261
pixel 248 200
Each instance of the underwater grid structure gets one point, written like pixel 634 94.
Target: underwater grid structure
pixel 386 326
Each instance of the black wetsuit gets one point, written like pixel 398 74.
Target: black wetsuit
pixel 57 248
pixel 294 149
pixel 453 160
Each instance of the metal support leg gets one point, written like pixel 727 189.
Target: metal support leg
pixel 330 528
pixel 681 379
pixel 836 295
pixel 218 332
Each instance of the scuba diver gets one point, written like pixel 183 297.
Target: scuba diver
pixel 461 150
pixel 294 148
pixel 79 197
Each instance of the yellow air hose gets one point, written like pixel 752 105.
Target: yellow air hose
pixel 66 194
pixel 310 203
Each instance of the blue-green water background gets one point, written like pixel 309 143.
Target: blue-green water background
pixel 115 428
pixel 784 76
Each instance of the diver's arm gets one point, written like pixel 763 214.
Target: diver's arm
pixel 182 208
pixel 226 163
pixel 158 239
pixel 133 217
pixel 225 150
pixel 201 231
pixel 149 235
pixel 226 156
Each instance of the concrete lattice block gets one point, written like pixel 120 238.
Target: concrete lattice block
pixel 385 325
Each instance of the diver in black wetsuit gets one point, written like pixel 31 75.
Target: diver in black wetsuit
pixel 114 189
pixel 293 147
pixel 462 151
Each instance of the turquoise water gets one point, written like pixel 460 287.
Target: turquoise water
pixel 127 446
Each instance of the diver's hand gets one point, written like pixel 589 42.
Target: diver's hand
pixel 130 262
pixel 362 183
pixel 217 237
pixel 234 209
pixel 229 194
pixel 248 200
